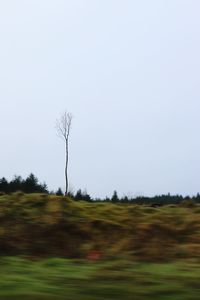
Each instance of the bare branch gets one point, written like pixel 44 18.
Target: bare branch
pixel 63 125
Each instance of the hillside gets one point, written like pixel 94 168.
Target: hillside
pixel 42 225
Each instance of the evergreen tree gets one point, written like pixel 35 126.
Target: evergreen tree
pixel 78 195
pixel 4 186
pixel 16 184
pixel 115 197
pixel 59 192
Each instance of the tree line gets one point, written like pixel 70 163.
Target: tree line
pixel 31 184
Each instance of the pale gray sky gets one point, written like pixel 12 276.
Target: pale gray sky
pixel 128 71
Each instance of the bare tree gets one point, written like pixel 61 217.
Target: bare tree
pixel 63 127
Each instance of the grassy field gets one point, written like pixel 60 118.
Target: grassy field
pixel 59 279
pixel 55 248
pixel 42 225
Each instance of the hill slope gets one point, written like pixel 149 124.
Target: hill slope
pixel 41 225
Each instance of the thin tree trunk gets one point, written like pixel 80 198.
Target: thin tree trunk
pixel 63 127
pixel 66 168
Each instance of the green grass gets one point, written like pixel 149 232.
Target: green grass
pixel 57 278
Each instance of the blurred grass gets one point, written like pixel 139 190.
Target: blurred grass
pixel 55 248
pixel 56 278
pixel 42 225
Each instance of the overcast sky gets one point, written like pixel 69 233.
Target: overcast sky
pixel 128 71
